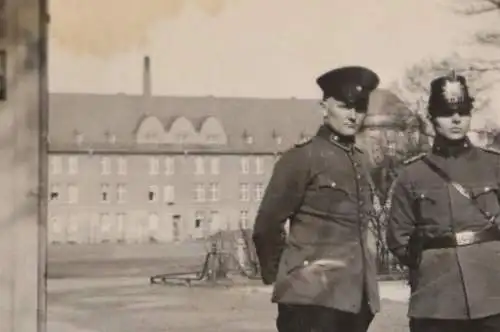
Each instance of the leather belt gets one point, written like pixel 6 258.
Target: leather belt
pixel 461 239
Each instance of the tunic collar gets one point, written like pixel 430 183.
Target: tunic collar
pixel 448 148
pixel 346 143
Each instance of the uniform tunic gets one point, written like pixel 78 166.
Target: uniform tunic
pixel 323 188
pixel 451 283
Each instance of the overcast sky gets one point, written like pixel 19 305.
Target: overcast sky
pixel 258 48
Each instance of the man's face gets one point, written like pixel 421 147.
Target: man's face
pixel 454 126
pixel 342 119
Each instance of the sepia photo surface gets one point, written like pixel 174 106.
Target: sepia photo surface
pixel 174 165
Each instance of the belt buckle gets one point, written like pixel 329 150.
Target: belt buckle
pixel 465 238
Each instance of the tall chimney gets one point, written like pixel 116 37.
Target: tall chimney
pixel 146 77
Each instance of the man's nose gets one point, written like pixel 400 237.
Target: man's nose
pixel 456 117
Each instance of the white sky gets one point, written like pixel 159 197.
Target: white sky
pixel 258 48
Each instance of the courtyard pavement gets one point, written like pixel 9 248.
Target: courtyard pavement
pixel 132 304
pixel 105 288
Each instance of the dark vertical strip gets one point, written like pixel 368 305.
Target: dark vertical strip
pixel 43 112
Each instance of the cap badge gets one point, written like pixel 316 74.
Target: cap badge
pixel 359 88
pixel 453 92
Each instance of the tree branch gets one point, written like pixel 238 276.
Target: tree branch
pixel 495 3
pixel 413 88
pixel 479 7
pixel 488 38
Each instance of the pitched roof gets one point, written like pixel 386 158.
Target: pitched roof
pixel 96 116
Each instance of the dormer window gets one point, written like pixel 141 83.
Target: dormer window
pixel 247 137
pixel 151 136
pixel 212 138
pixel 78 137
pixel 181 138
pixel 277 138
pixel 110 138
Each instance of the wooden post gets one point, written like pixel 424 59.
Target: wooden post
pixel 23 167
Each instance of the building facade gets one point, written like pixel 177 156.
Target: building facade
pixel 143 168
pixel 154 196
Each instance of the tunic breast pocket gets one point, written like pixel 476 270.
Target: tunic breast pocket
pixel 330 194
pixel 428 203
pixel 487 198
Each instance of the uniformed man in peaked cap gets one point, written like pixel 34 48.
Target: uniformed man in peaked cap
pixel 323 272
pixel 444 218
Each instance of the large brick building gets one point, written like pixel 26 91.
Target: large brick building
pixel 138 168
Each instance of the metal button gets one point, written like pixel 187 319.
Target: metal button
pixel 306 263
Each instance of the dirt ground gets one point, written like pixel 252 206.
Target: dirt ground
pixel 107 290
pixel 80 305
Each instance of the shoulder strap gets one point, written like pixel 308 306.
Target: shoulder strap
pixel 458 187
pixel 303 141
pixel 490 150
pixel 414 158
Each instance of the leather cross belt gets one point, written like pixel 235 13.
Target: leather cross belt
pixel 464 238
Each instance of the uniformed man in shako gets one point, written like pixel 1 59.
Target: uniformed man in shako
pixel 324 272
pixel 444 218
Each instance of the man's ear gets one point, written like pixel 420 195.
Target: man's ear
pixel 323 108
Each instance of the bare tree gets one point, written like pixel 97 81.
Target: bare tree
pixel 477 7
pixel 390 143
pixel 414 86
pixel 490 36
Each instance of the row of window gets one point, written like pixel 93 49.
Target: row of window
pixel 117 222
pixel 202 193
pixel 203 165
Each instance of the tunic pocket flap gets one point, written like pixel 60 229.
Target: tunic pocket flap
pixel 325 182
pixel 425 195
pixel 482 190
pixel 296 259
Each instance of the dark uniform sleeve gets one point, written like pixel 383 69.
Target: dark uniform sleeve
pixel 401 221
pixel 497 166
pixel 283 196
